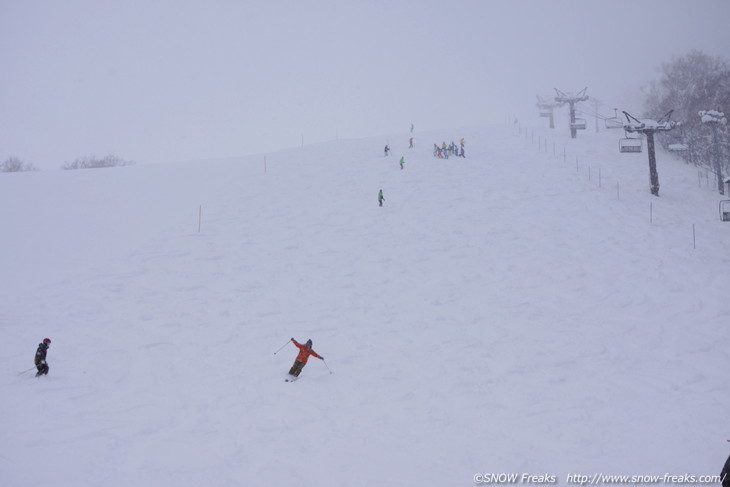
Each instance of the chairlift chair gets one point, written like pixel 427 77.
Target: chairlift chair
pixel 546 112
pixel 725 210
pixel 678 147
pixel 579 124
pixel 614 123
pixel 630 144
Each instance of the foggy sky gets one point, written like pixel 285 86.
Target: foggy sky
pixel 157 81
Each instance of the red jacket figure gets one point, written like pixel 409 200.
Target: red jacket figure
pixel 304 352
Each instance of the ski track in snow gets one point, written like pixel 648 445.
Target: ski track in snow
pixel 501 313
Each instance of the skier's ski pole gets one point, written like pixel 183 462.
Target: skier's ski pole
pixel 325 364
pixel 26 371
pixel 287 343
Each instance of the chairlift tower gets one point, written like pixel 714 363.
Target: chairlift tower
pixel 714 119
pixel 546 109
pixel 649 128
pixel 573 98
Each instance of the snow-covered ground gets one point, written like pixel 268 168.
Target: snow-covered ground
pixel 505 313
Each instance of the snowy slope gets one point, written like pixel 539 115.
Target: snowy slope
pixel 501 313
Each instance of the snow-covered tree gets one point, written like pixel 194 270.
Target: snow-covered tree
pixel 14 164
pixel 717 121
pixel 89 162
pixel 688 85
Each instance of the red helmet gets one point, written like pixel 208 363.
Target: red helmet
pixel 46 340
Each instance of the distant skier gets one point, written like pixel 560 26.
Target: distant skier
pixel 386 150
pixel 304 352
pixel 402 161
pixel 410 146
pixel 40 357
pixel 380 198
pixel 411 128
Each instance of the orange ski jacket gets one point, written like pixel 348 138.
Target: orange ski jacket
pixel 304 353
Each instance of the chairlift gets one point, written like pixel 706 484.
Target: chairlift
pixel 614 122
pixel 630 144
pixel 679 143
pixel 725 210
pixel 546 112
pixel 579 124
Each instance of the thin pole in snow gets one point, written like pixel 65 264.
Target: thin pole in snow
pixel 694 237
pixel 618 196
pixel 651 212
pixel 200 216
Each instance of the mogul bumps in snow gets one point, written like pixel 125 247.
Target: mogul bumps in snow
pixel 304 352
pixel 40 357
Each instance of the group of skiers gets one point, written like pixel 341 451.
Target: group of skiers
pixel 445 151
pixel 441 152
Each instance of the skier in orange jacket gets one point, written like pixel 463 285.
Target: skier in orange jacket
pixel 304 352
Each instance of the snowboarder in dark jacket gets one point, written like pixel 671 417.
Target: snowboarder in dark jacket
pixel 40 357
pixel 304 352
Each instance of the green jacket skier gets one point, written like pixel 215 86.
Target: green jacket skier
pixel 380 197
pixel 402 161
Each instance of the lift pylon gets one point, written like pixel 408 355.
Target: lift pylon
pixel 649 128
pixel 572 99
